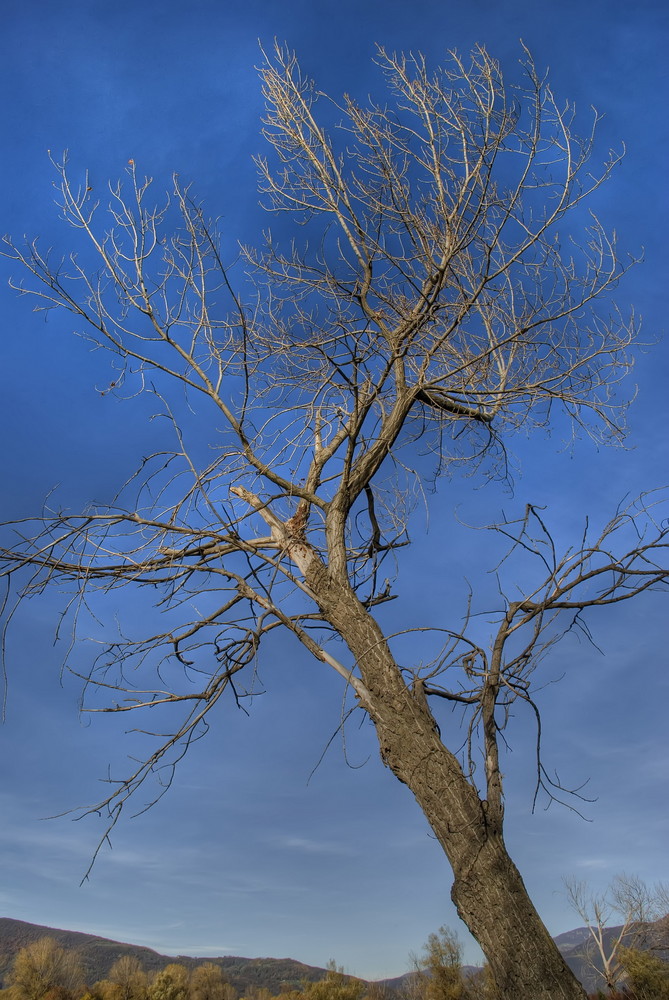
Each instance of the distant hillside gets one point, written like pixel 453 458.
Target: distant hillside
pixel 97 955
pixel 582 957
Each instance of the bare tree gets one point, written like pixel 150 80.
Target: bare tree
pixel 127 979
pixel 427 296
pixel 628 915
pixel 42 968
pixel 437 972
pixel 207 982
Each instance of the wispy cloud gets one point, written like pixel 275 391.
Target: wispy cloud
pixel 593 863
pixel 309 845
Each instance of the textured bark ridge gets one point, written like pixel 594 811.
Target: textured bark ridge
pixel 488 890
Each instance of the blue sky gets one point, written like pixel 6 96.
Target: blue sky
pixel 250 853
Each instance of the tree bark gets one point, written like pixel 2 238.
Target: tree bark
pixel 488 890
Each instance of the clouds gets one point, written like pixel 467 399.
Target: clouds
pixel 287 842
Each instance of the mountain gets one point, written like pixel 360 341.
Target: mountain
pixel 582 956
pixel 98 954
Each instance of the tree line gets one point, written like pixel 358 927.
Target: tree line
pixel 45 971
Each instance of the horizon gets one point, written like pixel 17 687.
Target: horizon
pixel 251 958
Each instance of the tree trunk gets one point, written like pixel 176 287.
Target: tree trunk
pixel 488 891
